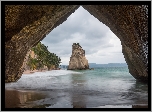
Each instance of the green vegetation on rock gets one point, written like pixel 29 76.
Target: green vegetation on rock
pixel 43 58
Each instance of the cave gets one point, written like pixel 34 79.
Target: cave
pixel 26 25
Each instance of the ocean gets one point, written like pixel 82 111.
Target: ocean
pixel 105 87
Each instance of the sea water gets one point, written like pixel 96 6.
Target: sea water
pixel 81 88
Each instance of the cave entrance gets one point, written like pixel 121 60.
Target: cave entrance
pixel 126 22
pixel 101 45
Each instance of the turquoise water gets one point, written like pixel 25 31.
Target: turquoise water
pixel 84 88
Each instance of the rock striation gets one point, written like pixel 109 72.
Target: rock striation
pixel 78 60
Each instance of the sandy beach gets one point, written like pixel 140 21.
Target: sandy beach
pixel 33 71
pixel 29 72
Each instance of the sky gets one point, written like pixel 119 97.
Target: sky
pixel 101 45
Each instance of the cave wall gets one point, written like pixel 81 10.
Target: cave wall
pixel 26 25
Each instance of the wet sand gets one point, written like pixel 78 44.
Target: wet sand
pixel 21 99
pixel 51 99
pixel 33 71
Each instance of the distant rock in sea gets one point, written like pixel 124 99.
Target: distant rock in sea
pixel 78 60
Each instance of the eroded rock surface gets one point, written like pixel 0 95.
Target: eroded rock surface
pixel 78 60
pixel 26 25
pixel 130 24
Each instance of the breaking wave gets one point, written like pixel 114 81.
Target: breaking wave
pixel 39 80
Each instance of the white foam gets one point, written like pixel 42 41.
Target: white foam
pixel 39 80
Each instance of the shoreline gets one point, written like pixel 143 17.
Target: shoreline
pixel 33 71
pixel 73 91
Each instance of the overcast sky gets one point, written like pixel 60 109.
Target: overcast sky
pixel 101 45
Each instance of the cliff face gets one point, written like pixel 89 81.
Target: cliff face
pixel 26 25
pixel 78 60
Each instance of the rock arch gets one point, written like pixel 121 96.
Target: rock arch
pixel 26 25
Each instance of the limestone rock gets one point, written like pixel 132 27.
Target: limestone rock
pixel 78 60
pixel 26 25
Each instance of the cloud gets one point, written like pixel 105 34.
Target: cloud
pixel 100 44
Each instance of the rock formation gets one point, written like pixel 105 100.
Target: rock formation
pixel 26 25
pixel 78 60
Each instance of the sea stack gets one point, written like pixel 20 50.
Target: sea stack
pixel 78 60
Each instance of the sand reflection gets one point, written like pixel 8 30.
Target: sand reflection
pixel 17 99
pixel 78 84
